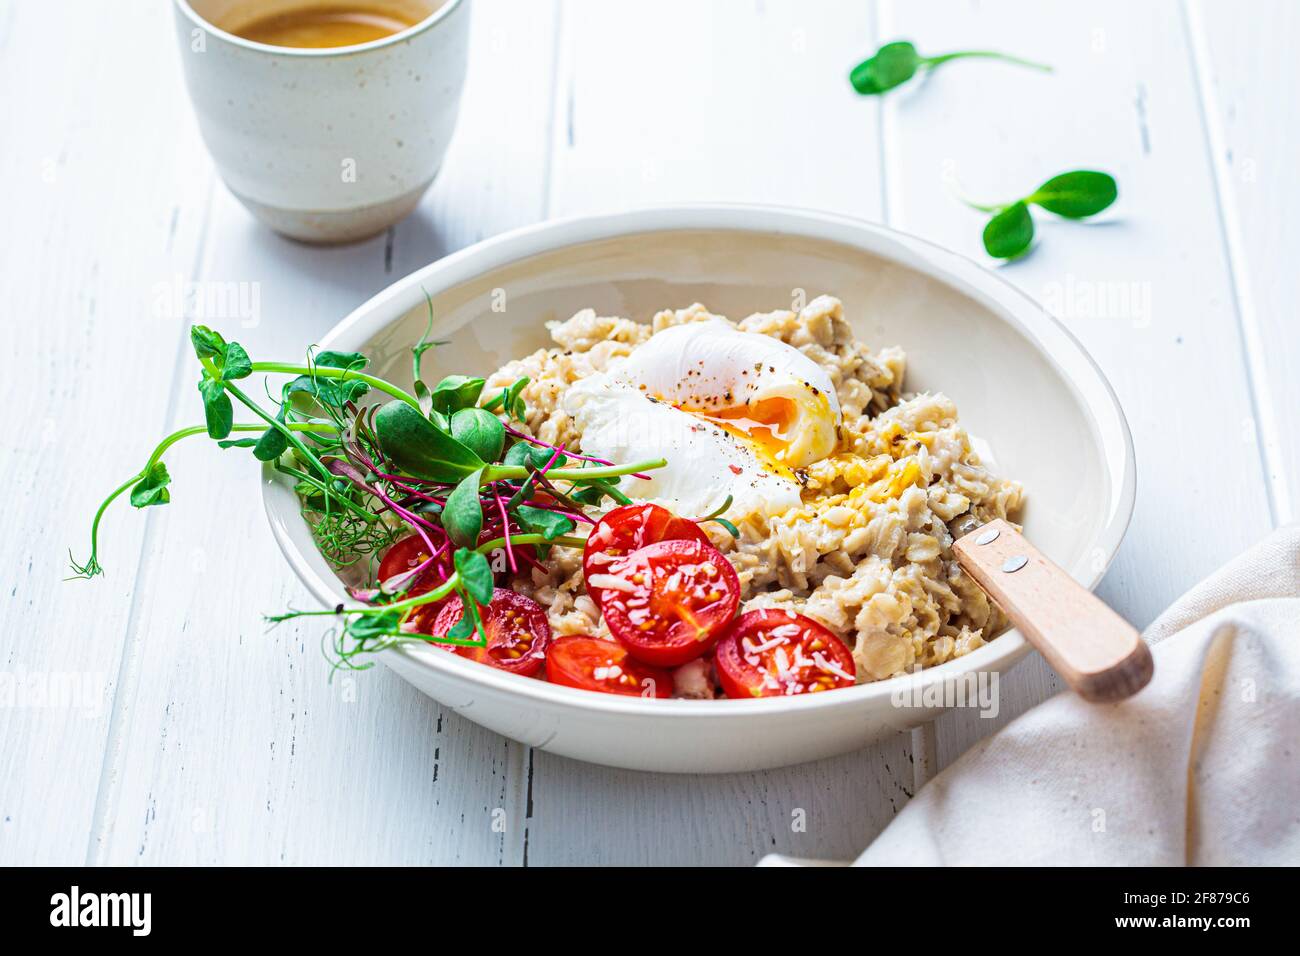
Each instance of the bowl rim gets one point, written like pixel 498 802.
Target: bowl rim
pixel 960 272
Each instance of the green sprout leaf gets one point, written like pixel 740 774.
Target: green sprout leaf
pixel 549 524
pixel 896 63
pixel 235 364
pixel 352 361
pixel 468 629
pixel 229 357
pixel 1076 195
pixel 475 574
pixel 462 515
pixel 456 392
pixel 463 629
pixel 480 431
pixel 328 392
pixel 1073 195
pixel 1009 233
pixel 208 344
pixel 419 448
pixel 271 445
pixel 588 495
pixel 331 392
pixel 517 454
pixel 217 410
pixel 152 488
pixel 893 65
pixel 539 455
pixel 372 627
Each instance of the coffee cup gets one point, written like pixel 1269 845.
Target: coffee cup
pixel 325 144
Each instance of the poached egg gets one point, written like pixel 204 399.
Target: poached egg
pixel 733 413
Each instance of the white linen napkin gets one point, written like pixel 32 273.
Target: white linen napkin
pixel 1202 767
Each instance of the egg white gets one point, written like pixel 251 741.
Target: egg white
pixel 706 463
pixel 686 395
pixel 716 371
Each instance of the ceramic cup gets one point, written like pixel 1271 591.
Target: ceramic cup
pixel 325 145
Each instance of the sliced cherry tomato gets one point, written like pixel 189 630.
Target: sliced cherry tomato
pixel 589 663
pixel 517 632
pixel 668 602
pixel 771 653
pixel 627 529
pixel 424 619
pixel 405 555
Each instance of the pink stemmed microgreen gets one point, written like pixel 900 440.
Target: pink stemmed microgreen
pixel 431 462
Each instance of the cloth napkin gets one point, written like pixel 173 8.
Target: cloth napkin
pixel 1202 767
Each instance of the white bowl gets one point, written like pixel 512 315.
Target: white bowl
pixel 1020 381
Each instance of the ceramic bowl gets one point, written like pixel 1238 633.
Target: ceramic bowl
pixel 1020 380
pixel 325 145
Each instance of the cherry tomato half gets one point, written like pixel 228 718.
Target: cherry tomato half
pixel 629 528
pixel 589 663
pixel 668 602
pixel 424 619
pixel 517 632
pixel 405 555
pixel 771 653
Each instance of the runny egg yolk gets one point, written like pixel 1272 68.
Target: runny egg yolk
pixel 763 425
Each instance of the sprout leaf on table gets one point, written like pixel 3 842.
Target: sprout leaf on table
pixel 896 63
pixel 1073 195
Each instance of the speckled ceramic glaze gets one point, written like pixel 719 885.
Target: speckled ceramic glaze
pixel 326 145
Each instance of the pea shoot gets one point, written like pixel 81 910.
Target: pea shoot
pixel 896 63
pixel 1073 195
pixel 373 463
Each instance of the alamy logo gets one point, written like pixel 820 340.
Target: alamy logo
pixel 102 909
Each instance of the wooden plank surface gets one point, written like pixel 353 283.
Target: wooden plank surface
pixel 1248 74
pixel 86 235
pixel 1147 289
pixel 192 736
pixel 232 747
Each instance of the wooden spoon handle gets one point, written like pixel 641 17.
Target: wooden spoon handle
pixel 1096 651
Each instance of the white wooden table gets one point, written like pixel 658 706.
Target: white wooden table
pixel 216 742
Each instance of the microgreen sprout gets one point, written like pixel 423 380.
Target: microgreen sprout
pixel 372 463
pixel 896 63
pixel 1073 195
pixel 716 515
